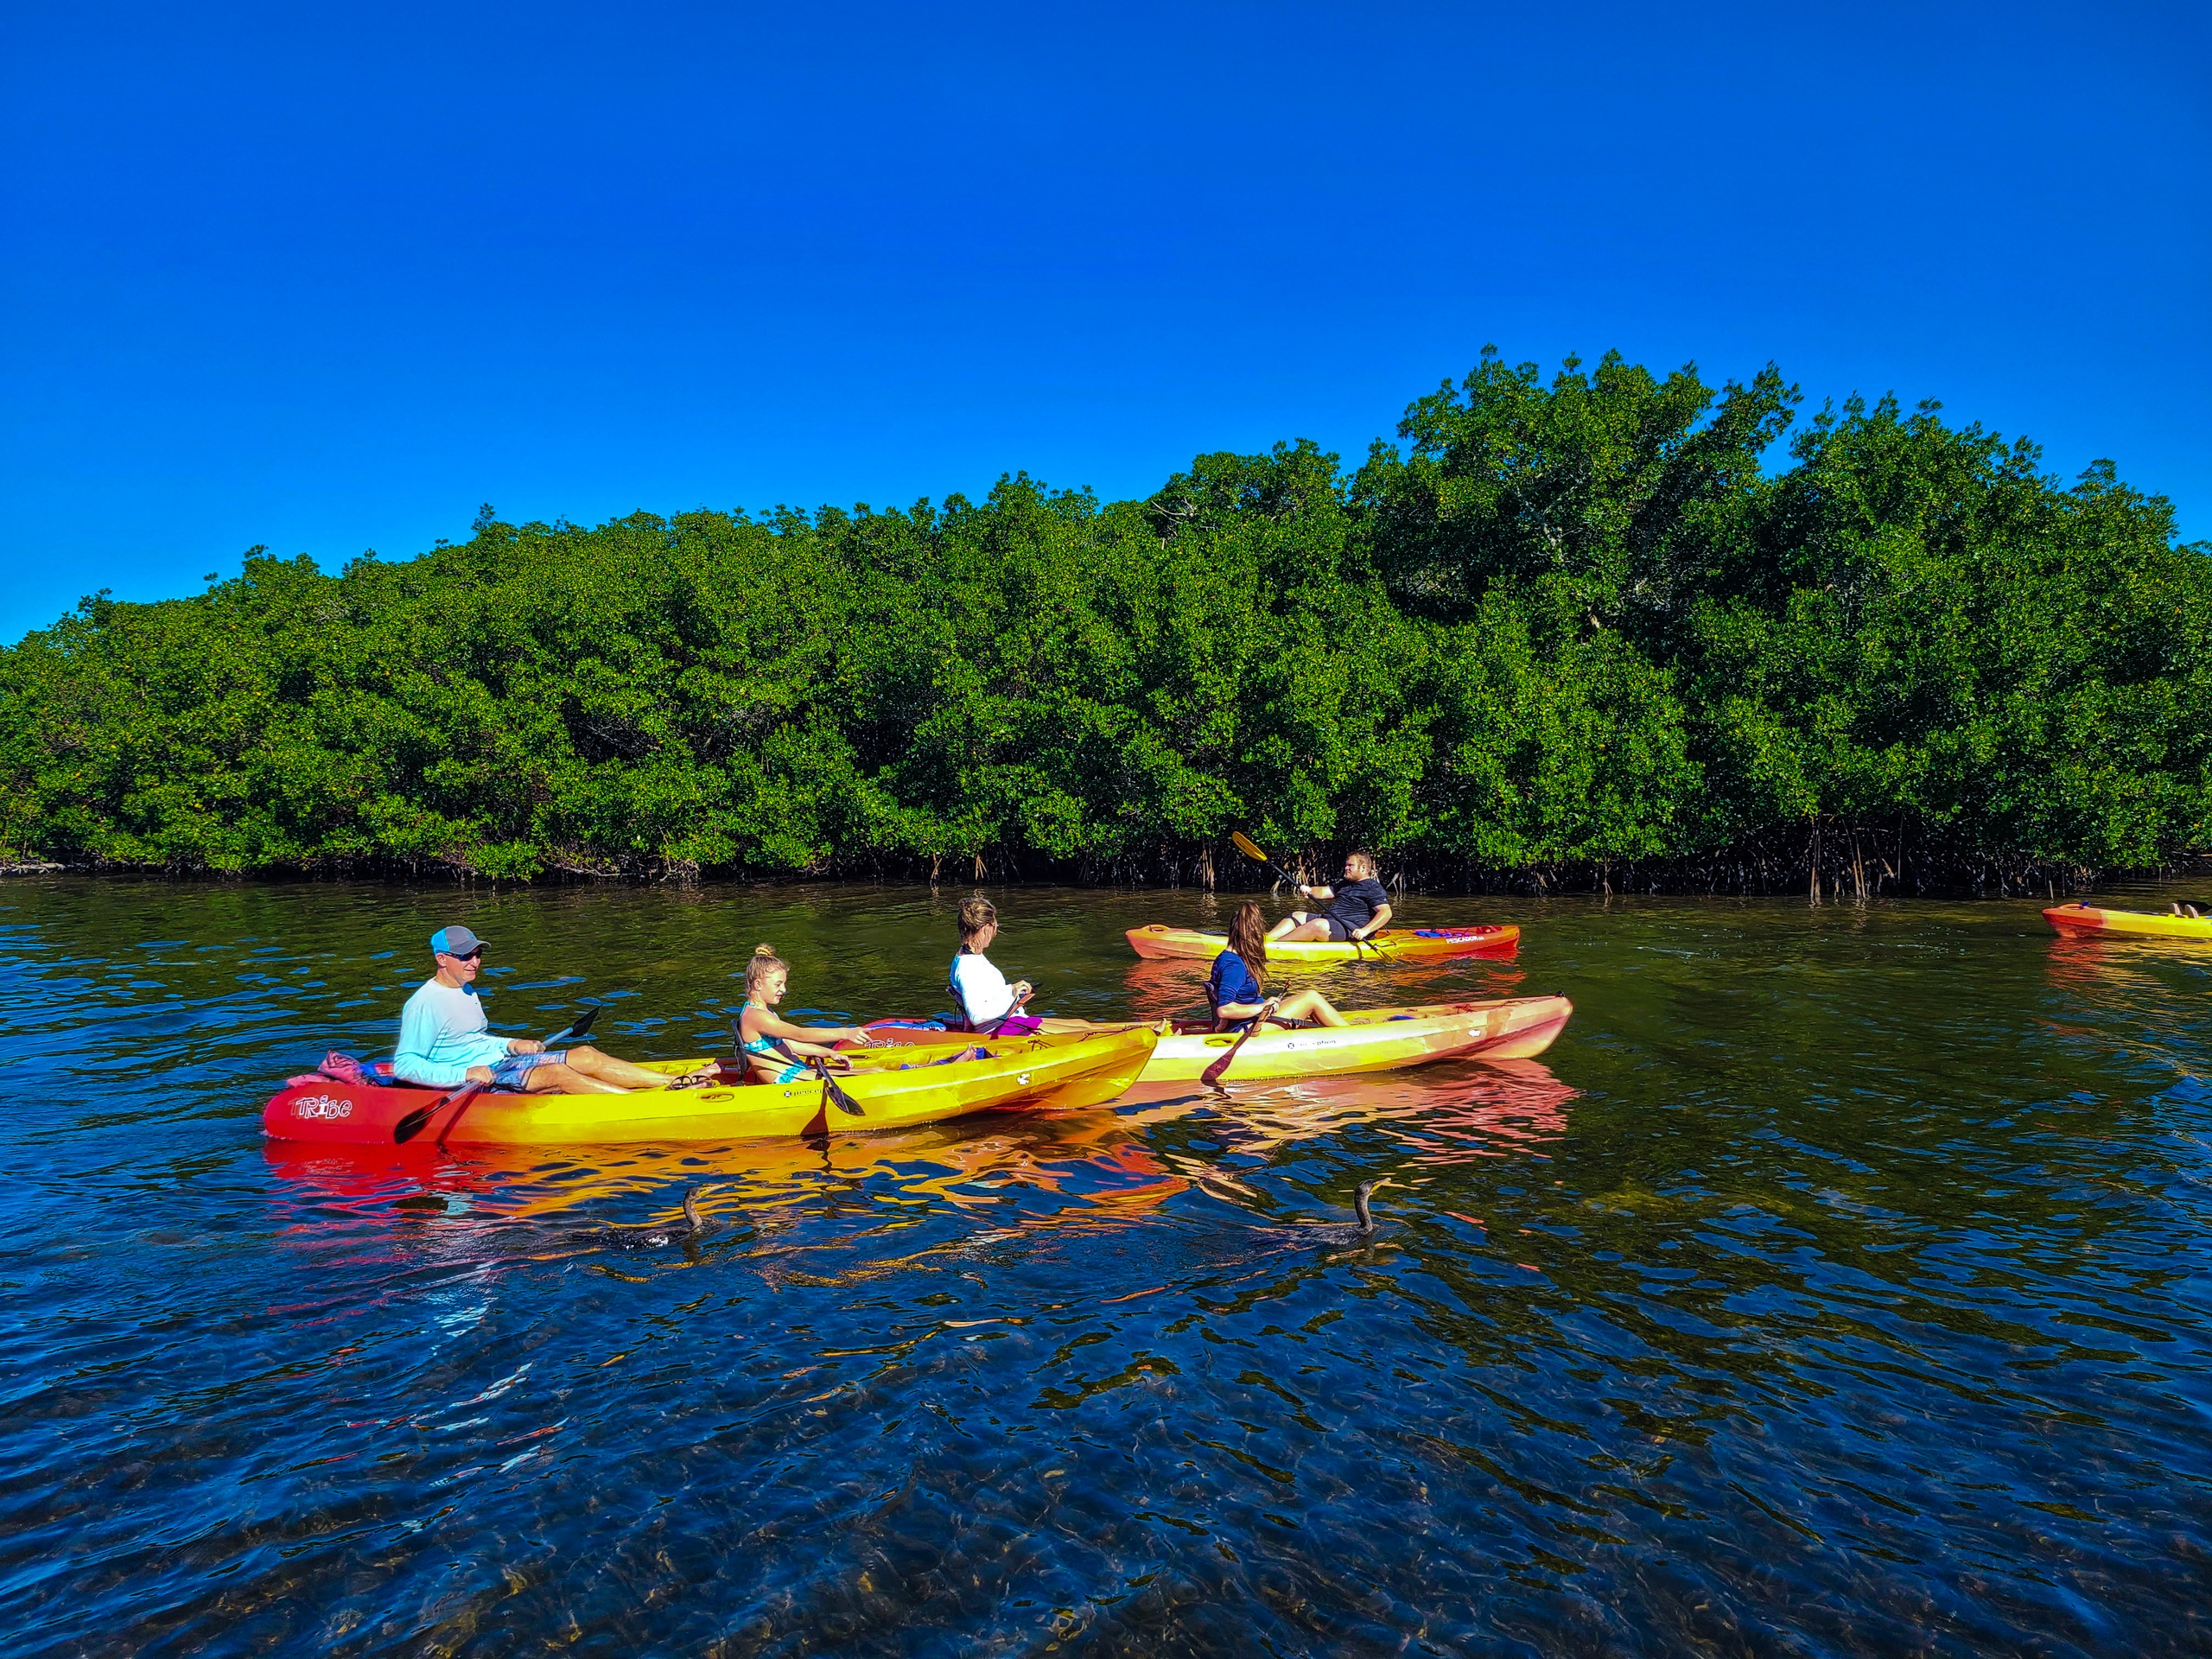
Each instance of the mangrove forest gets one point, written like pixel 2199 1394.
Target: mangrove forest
pixel 1601 629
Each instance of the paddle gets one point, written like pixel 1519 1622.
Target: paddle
pixel 412 1125
pixel 1211 1076
pixel 830 1092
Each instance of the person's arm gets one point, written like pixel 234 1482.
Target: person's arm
pixel 1324 894
pixel 774 1025
pixel 1242 1010
pixel 1375 923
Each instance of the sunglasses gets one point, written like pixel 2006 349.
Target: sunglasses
pixel 460 956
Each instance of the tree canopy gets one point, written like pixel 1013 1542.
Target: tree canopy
pixel 1592 626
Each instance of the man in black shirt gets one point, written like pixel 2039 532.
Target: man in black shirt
pixel 1356 909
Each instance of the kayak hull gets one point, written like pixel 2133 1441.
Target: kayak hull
pixel 1377 1039
pixel 1156 942
pixel 2136 923
pixel 1059 1072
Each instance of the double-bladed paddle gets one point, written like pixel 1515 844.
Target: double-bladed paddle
pixel 413 1124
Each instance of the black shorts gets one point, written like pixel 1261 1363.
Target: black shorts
pixel 1339 931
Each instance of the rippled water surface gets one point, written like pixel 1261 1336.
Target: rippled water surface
pixel 1838 1284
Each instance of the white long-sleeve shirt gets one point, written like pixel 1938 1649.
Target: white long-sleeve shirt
pixel 980 989
pixel 442 1034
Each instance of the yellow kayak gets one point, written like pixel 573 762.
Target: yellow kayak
pixel 1376 1039
pixel 895 1089
pixel 1391 944
pixel 2086 918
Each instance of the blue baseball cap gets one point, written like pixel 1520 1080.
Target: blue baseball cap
pixel 455 942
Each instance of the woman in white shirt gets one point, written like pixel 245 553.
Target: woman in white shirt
pixel 980 993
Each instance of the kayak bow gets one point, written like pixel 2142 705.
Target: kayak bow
pixel 2141 924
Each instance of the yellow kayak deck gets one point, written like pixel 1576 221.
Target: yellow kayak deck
pixel 1041 1073
pixel 1373 1039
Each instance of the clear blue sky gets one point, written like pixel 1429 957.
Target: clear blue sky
pixel 327 278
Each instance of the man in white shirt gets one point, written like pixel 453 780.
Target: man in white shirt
pixel 444 1041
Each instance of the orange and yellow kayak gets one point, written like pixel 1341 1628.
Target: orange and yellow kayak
pixel 1391 944
pixel 1376 1039
pixel 2142 924
pixel 895 1090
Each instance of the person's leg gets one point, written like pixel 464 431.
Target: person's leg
pixel 1310 1005
pixel 563 1080
pixel 607 1068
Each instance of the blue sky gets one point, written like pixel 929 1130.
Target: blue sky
pixel 327 279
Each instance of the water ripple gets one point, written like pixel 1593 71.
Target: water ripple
pixel 1836 1286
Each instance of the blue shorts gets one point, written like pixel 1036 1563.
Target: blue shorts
pixel 510 1072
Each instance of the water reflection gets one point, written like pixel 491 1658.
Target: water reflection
pixel 1102 1160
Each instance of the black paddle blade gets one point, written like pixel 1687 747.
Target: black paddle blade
pixel 836 1096
pixel 582 1027
pixel 418 1120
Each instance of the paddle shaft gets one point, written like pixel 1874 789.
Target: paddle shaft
pixel 413 1124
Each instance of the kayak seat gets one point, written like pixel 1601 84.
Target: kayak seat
pixel 344 1068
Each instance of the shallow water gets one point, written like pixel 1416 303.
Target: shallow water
pixel 1836 1285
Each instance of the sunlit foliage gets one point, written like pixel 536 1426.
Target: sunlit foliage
pixel 1586 623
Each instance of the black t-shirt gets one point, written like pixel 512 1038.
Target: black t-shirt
pixel 1356 902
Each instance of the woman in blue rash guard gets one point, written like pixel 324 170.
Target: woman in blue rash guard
pixel 1238 986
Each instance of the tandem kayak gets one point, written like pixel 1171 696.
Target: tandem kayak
pixel 895 1090
pixel 2142 923
pixel 1391 944
pixel 1376 1039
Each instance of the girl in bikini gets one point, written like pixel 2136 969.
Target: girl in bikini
pixel 773 1049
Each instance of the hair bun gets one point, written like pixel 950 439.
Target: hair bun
pixel 764 949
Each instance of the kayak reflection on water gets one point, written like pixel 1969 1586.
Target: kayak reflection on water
pixel 1101 1167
